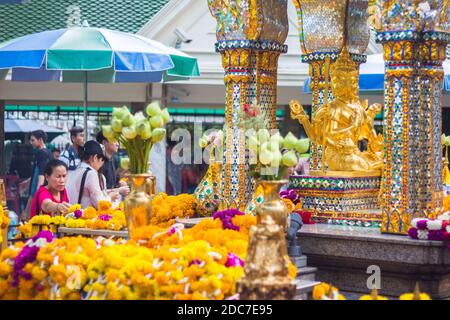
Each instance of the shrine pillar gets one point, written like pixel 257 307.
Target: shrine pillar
pixel 401 131
pixel 432 53
pixel 250 35
pixel 322 26
pixel 414 37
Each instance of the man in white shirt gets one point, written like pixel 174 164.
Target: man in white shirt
pixel 70 156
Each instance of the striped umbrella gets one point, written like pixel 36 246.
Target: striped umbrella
pixel 85 54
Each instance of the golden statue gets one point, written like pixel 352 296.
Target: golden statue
pixel 338 126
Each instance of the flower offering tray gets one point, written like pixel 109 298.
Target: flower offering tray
pixel 63 231
pixel 351 200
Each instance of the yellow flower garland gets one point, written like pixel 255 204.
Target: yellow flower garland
pixel 166 208
pixel 324 291
pixel 4 221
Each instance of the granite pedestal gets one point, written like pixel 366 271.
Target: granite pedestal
pixel 343 254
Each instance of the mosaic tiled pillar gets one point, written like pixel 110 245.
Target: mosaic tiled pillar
pixel 250 78
pixel 250 35
pixel 401 131
pixel 266 82
pixel 432 53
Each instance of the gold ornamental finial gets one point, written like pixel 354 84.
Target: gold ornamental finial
pixel 416 292
pixel 344 63
pixel 374 293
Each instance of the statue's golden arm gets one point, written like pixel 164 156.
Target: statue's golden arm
pixel 297 112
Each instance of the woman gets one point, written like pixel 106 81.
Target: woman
pixel 51 198
pixel 87 184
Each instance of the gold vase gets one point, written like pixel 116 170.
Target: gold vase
pixel 273 206
pixel 138 204
pixel 151 182
pixel 267 264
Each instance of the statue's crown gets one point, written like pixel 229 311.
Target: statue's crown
pixel 344 63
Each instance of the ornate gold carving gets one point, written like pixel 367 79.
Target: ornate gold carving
pixel 250 19
pixel 266 266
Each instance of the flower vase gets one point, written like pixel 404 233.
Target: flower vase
pixel 138 204
pixel 273 207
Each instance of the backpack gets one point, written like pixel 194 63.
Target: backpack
pixel 72 157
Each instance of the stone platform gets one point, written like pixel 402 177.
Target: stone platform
pixel 342 255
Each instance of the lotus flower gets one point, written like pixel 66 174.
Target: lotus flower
pixel 144 130
pixel 289 141
pixel 129 132
pixel 108 132
pixel 158 134
pixel 157 121
pixel 277 139
pixel 119 113
pixel 165 115
pixel 153 109
pixel 263 135
pixel 265 156
pixel 302 145
pixel 116 125
pixel 289 159
pixel 128 120
pixel 139 117
pixel 125 163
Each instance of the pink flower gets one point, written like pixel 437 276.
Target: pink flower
pixel 78 214
pixel 234 261
pixel 105 217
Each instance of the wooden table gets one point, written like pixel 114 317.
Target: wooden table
pixel 63 231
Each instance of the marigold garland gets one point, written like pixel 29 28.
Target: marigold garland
pixel 203 262
pixel 4 221
pixel 166 208
pixel 324 291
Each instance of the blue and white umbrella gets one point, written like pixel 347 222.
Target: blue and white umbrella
pixel 85 54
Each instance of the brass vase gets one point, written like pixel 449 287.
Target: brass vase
pixel 138 204
pixel 266 267
pixel 272 204
pixel 151 182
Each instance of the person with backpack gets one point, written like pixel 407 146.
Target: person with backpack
pixel 87 184
pixel 71 156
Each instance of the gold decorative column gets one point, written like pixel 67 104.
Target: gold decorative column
pixel 432 54
pixel 322 26
pixel 250 36
pixel 401 131
pixel 414 38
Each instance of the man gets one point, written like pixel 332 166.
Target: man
pixel 56 154
pixel 109 167
pixel 41 158
pixel 71 156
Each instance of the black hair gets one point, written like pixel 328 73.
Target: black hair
pixel 74 131
pixel 39 134
pixel 51 165
pixel 85 157
pixel 100 137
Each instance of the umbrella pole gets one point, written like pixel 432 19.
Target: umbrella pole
pixel 85 101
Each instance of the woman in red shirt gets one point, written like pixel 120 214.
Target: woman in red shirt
pixel 51 198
